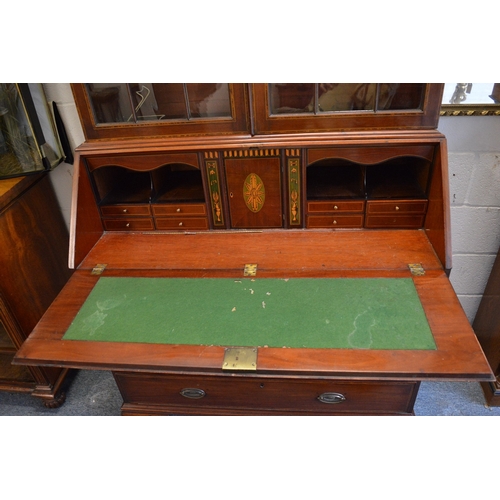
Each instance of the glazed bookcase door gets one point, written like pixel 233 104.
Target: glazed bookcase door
pixel 319 107
pixel 127 110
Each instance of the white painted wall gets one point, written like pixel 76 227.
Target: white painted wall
pixel 474 171
pixel 62 176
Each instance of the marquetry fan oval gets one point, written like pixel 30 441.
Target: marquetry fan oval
pixel 254 192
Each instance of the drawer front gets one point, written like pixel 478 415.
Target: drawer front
pixel 396 207
pixel 181 223
pixel 143 162
pixel 335 206
pixel 179 209
pixel 125 210
pixel 128 224
pixel 192 393
pixel 372 154
pixel 399 221
pixel 333 221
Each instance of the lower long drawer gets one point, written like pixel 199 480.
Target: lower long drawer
pixel 240 394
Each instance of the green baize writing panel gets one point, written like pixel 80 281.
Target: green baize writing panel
pixel 342 313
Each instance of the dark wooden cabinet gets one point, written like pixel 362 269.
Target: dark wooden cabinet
pixel 33 270
pixel 487 327
pixel 352 185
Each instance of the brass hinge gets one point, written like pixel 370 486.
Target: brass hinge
pixel 416 269
pixel 250 270
pixel 98 269
pixel 240 358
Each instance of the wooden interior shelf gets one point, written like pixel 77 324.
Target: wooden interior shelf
pixel 397 179
pixel 177 183
pixel 329 179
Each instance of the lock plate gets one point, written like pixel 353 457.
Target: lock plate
pixel 240 358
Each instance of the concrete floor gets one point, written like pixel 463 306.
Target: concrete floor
pixel 94 393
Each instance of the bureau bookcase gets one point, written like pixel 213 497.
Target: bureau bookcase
pixel 239 249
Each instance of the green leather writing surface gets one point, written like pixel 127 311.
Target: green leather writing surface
pixel 351 313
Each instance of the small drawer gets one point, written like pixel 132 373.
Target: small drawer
pixel 184 209
pixel 335 206
pixel 333 221
pixel 128 224
pixel 181 223
pixel 125 210
pixel 399 221
pixel 396 207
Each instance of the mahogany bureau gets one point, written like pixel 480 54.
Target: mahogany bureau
pixel 298 199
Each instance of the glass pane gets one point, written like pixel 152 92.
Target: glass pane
pixel 291 98
pixel 208 100
pixel 401 96
pixel 110 102
pixel 471 93
pixel 138 102
pixel 18 150
pixel 346 96
pixel 166 102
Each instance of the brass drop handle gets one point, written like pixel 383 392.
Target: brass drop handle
pixel 193 393
pixel 331 398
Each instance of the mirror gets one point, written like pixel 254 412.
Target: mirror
pixel 471 99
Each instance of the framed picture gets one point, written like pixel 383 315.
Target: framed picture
pixel 29 141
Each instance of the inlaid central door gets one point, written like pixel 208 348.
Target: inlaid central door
pixel 254 192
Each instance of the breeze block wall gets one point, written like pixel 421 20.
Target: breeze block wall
pixel 474 174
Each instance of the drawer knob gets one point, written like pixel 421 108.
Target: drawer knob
pixel 334 222
pixel 331 398
pixel 127 224
pixel 178 210
pixel 397 208
pixel 180 223
pixel 125 210
pixel 193 393
pixel 335 207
